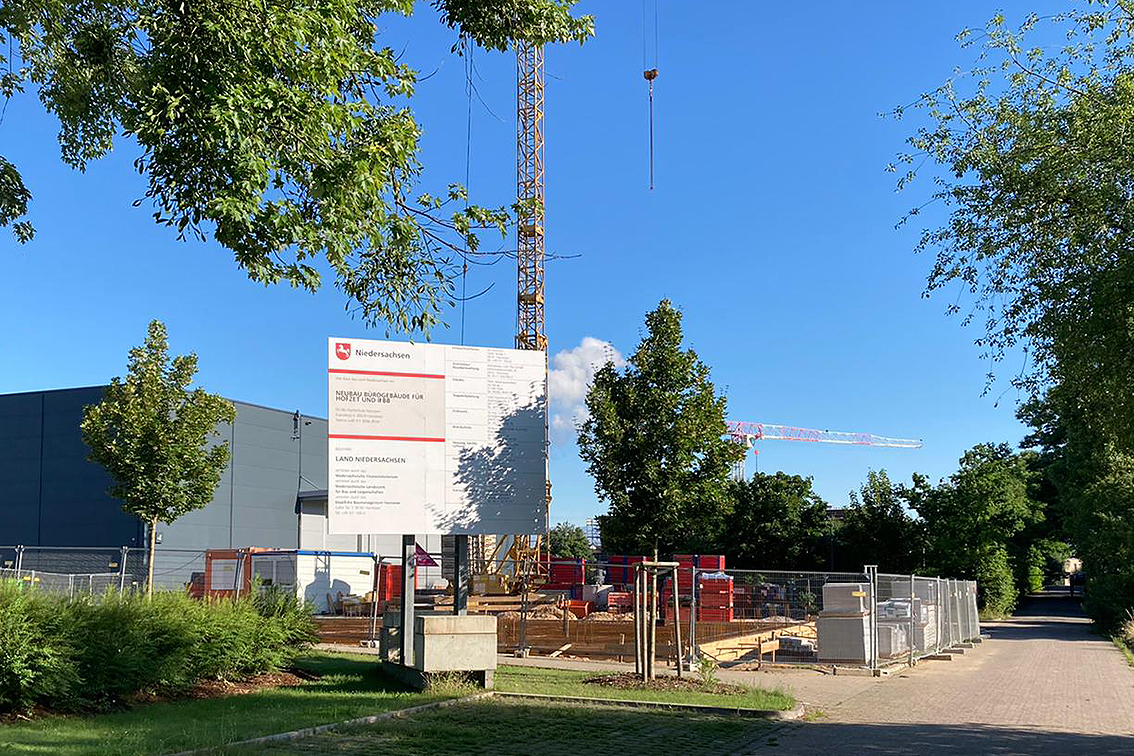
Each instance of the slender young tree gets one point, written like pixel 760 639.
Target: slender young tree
pixel 656 445
pixel 152 434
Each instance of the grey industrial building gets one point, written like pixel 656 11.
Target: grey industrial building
pixel 273 493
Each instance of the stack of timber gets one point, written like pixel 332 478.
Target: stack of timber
pixel 344 630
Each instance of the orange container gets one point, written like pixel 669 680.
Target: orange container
pixel 580 608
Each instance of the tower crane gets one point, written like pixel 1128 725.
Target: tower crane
pixel 515 558
pixel 748 433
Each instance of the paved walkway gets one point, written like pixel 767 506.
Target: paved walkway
pixel 1043 685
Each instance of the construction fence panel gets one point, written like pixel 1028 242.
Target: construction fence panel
pixel 780 616
pixel 62 584
pixel 910 612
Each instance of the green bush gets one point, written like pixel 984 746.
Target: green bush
pixel 95 653
pixel 34 660
pixel 996 588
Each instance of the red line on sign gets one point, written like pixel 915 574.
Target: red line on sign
pixel 383 438
pixel 382 372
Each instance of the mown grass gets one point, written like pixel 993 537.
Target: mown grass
pixel 511 727
pixel 561 682
pixel 350 686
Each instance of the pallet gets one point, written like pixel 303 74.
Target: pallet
pixel 758 643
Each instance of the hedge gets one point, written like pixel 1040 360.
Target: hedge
pixel 97 653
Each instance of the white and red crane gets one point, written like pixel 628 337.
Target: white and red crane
pixel 748 433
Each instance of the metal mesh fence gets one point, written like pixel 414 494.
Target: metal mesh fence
pixel 566 607
pixel 66 584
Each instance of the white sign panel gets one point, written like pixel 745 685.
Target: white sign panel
pixel 432 438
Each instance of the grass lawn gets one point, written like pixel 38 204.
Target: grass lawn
pixel 504 727
pixel 351 686
pixel 563 682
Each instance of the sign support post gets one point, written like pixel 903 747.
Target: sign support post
pixel 460 574
pixel 409 575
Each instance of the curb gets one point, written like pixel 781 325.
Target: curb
pixel 791 714
pixel 309 731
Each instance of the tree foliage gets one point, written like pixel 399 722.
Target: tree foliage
pixel 972 518
pixel 152 434
pixel 878 530
pixel 569 542
pixel 776 522
pixel 1038 180
pixel 655 444
pixel 281 130
pixel 1093 478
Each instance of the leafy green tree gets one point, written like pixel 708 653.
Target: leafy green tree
pixel 152 434
pixel 777 522
pixel 1094 480
pixel 1036 178
pixel 280 129
pixel 972 518
pixel 877 529
pixel 655 443
pixel 569 542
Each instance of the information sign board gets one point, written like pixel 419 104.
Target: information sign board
pixel 435 439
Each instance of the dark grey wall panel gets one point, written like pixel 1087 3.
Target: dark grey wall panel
pixel 59 497
pixel 76 510
pixel 20 425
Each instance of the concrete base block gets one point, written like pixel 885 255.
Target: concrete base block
pixel 956 650
pixel 938 657
pixel 966 644
pixel 419 680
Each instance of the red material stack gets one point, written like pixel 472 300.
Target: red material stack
pixel 703 563
pixel 619 602
pixel 665 606
pixel 685 573
pixel 390 582
pixel 616 570
pixel 621 569
pixel 710 562
pixel 565 574
pixel 715 597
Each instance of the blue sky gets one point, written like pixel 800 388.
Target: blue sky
pixel 771 227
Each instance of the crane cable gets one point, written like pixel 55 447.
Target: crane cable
pixel 468 160
pixel 650 73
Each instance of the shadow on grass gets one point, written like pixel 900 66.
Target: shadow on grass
pixel 498 728
pixel 573 683
pixel 348 687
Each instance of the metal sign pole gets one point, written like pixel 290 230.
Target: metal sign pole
pixel 409 573
pixel 460 574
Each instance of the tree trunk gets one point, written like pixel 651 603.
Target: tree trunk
pixel 150 560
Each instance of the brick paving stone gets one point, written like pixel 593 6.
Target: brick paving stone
pixel 1042 685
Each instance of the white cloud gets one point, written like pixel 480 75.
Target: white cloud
pixel 572 371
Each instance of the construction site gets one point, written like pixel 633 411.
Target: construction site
pixel 491 381
pixel 612 608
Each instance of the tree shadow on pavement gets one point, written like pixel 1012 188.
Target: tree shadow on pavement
pixel 1051 615
pixel 834 739
pixel 506 728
